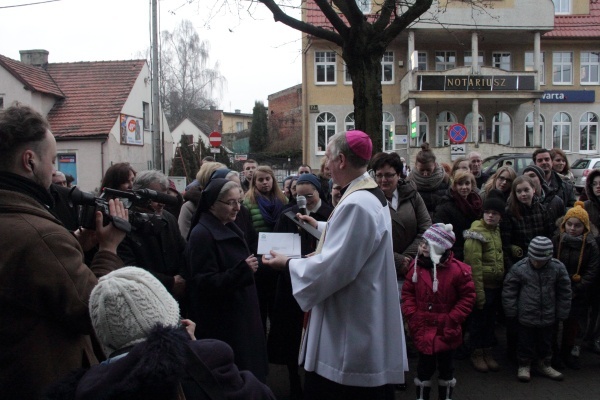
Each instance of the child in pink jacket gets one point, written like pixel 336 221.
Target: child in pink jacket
pixel 437 297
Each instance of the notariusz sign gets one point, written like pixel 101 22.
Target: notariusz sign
pixel 568 96
pixel 476 82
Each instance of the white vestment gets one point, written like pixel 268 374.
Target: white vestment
pixel 355 334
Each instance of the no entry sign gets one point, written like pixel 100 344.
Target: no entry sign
pixel 457 133
pixel 215 139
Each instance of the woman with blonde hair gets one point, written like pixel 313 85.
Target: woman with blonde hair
pixel 265 200
pixel 461 206
pixel 502 180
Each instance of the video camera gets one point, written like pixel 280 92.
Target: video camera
pixel 139 221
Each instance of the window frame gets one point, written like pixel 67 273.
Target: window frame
pixel 349 122
pixel 498 124
pixel 528 124
pixel 387 64
pixel 590 65
pixel 562 7
pixel 419 63
pixel 326 63
pixel 562 124
pixel 326 122
pixel 502 63
pixel 562 64
pixel 480 58
pixel 447 55
pixel 587 124
pixel 389 123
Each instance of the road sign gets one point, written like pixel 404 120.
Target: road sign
pixel 241 157
pixel 215 149
pixel 457 133
pixel 215 139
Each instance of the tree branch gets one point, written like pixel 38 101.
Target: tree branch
pixel 280 16
pixel 401 22
pixel 387 8
pixel 349 8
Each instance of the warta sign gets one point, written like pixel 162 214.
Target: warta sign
pixel 476 82
pixel 568 96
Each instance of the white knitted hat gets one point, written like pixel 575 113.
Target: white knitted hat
pixel 126 304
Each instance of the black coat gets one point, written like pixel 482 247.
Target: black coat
pixel 162 255
pixel 286 323
pixel 153 369
pixel 222 293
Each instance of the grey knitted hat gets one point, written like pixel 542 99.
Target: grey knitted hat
pixel 540 249
pixel 126 304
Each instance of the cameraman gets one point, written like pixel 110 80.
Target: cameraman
pixel 157 247
pixel 44 283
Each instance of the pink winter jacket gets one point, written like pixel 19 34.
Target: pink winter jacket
pixel 435 319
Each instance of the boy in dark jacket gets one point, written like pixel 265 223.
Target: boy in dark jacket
pixel 537 291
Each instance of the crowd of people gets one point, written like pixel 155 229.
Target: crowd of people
pixel 429 258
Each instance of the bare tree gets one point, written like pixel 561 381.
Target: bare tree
pixel 187 80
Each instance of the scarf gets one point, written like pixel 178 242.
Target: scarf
pixel 20 184
pixel 270 208
pixel 471 206
pixel 428 183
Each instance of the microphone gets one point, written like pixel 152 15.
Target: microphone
pixel 301 201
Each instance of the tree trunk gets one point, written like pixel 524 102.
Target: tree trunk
pixel 362 54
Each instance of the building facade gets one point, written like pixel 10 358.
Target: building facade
pixel 534 82
pixel 99 112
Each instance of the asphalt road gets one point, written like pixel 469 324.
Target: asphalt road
pixel 583 384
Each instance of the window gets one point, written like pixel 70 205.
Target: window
pixel 444 120
pixel 588 132
pixel 501 128
pixel 561 131
pixel 590 66
pixel 387 67
pixel 532 140
pixel 145 115
pixel 562 6
pixel 364 6
pixel 325 67
pixel 422 129
pixel 501 60
pixel 468 58
pixel 422 61
pixel 529 65
pixel 562 68
pixel 480 128
pixel 347 77
pixel 349 122
pixel 325 130
pixel 445 60
pixel 239 126
pixel 388 131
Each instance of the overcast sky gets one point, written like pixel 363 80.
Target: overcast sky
pixel 256 55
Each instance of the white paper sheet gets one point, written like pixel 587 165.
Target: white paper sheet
pixel 284 243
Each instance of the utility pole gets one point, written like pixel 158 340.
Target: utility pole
pixel 156 137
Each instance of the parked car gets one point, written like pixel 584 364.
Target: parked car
pixel 518 161
pixel 581 168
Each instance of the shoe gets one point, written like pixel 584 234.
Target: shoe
pixel 478 361
pixel 489 360
pixel 557 361
pixel 524 373
pixel 545 369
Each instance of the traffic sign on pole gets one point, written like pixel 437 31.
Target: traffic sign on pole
pixel 457 133
pixel 215 139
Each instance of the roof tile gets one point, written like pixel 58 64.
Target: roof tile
pixel 577 26
pixel 36 79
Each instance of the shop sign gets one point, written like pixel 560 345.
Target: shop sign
pixel 568 96
pixel 476 82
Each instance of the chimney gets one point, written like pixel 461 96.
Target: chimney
pixel 37 58
pixel 238 111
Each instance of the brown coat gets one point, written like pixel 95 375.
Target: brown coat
pixel 409 222
pixel 44 292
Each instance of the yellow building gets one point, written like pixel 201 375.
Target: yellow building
pixel 536 70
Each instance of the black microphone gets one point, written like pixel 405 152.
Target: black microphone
pixel 301 201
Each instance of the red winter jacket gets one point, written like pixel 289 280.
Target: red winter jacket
pixel 435 319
